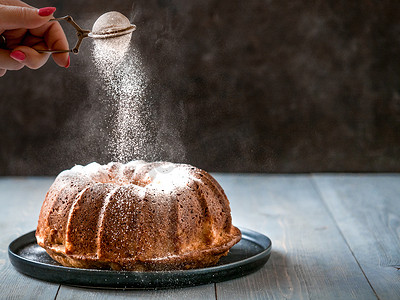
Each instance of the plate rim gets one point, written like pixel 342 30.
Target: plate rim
pixel 247 234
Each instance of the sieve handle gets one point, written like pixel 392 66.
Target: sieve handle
pixel 81 33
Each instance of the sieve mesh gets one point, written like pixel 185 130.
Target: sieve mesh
pixel 111 24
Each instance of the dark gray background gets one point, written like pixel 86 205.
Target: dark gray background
pixel 249 86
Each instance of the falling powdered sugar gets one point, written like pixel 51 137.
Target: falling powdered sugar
pixel 123 78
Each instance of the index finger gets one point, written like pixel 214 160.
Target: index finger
pixel 14 17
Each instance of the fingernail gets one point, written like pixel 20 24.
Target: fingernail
pixel 46 11
pixel 67 65
pixel 18 55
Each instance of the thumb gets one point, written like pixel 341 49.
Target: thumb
pixel 15 17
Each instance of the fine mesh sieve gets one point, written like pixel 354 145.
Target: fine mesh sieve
pixel 109 25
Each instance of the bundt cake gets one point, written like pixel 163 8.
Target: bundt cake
pixel 136 216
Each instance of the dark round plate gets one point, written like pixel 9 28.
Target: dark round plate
pixel 247 256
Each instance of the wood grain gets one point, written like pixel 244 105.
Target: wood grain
pixel 367 210
pixel 191 293
pixel 20 201
pixel 310 259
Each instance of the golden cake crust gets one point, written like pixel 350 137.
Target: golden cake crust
pixel 136 216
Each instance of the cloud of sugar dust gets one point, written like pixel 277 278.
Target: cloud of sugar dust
pixel 124 80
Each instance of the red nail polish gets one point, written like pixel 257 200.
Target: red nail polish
pixel 46 11
pixel 18 55
pixel 67 65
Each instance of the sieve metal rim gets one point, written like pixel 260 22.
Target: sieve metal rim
pixel 112 33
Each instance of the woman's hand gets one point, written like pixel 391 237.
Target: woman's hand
pixel 25 30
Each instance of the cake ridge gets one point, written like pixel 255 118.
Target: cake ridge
pixel 101 217
pixel 77 197
pixel 46 208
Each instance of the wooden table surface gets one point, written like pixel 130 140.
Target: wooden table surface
pixel 333 237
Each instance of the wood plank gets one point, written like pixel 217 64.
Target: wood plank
pixel 309 260
pixel 192 293
pixel 20 202
pixel 367 210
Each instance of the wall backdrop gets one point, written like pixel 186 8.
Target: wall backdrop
pixel 235 86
